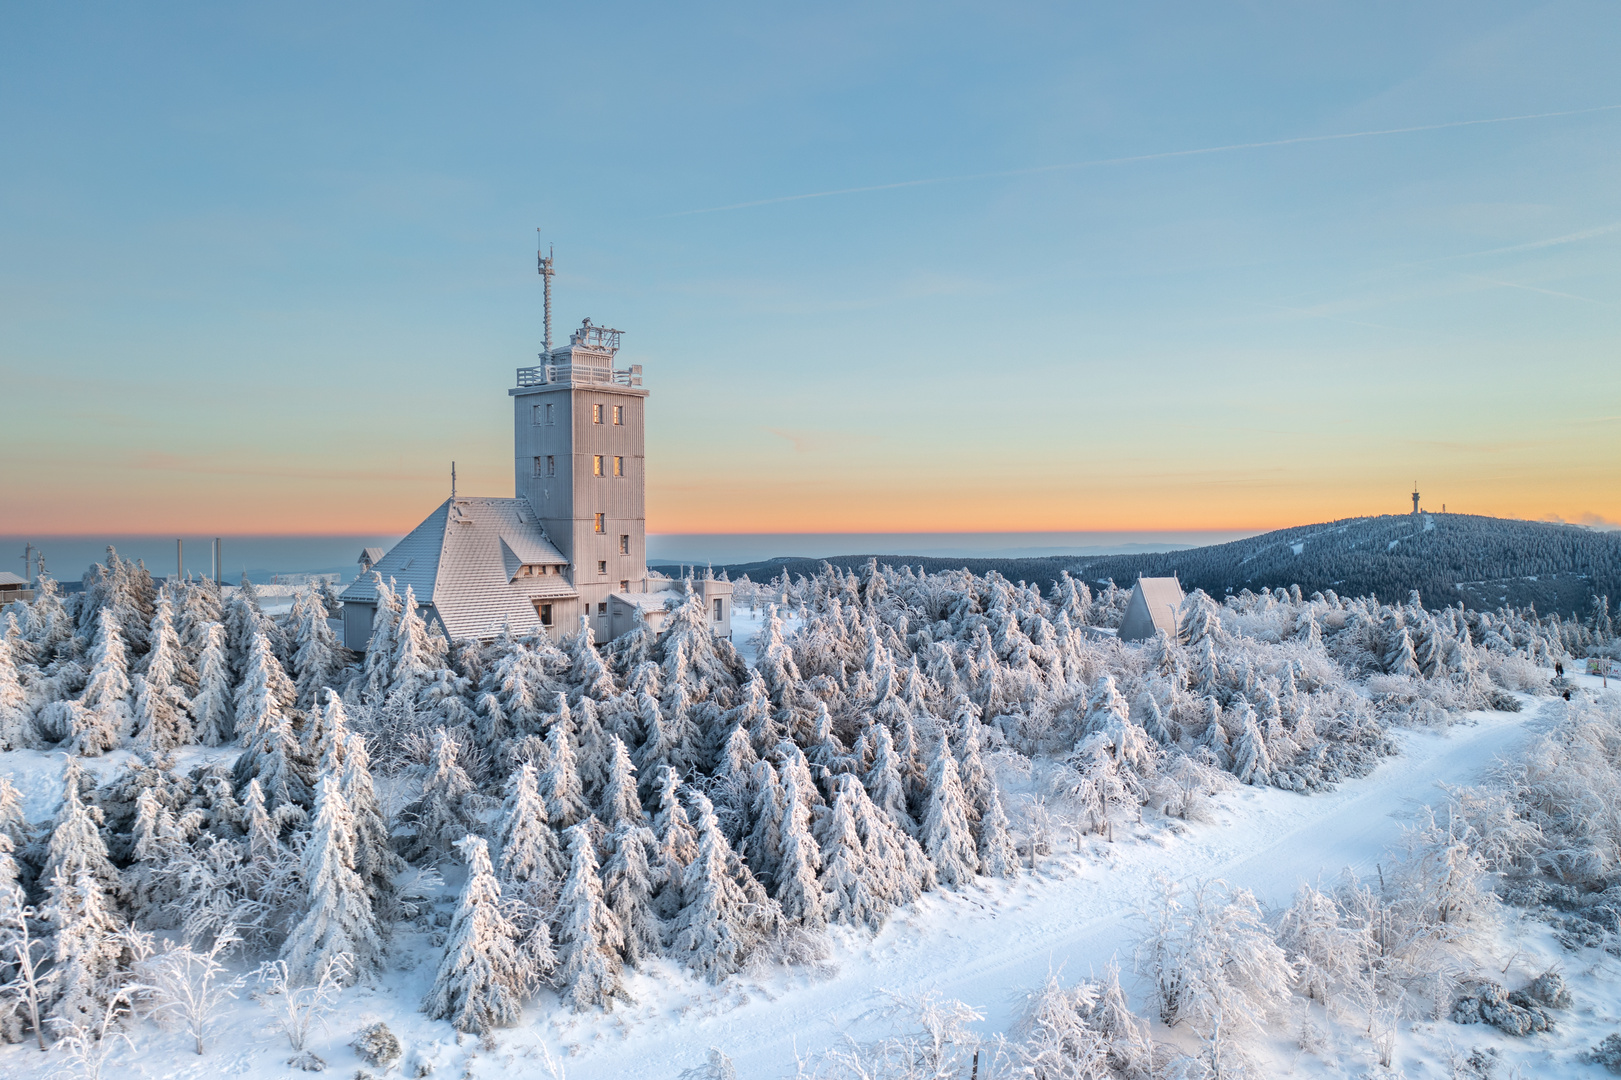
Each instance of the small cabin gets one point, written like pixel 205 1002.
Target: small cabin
pixel 1154 606
pixel 13 588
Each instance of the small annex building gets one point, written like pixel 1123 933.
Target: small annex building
pixel 1154 606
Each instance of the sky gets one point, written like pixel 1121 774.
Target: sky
pixel 888 267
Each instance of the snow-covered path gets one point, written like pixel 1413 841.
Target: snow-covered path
pixel 986 946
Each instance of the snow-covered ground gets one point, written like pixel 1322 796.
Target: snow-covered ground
pixel 983 946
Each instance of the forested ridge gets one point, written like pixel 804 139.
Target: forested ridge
pixel 1482 562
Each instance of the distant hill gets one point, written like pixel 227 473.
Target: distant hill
pixel 1483 562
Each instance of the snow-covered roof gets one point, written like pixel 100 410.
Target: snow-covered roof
pixel 8 578
pixel 371 556
pixel 464 561
pixel 1154 604
pixel 649 601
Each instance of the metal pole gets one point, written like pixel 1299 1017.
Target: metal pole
pixel 179 559
pixel 219 567
pixel 28 566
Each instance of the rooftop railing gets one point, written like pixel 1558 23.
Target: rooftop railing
pixel 545 374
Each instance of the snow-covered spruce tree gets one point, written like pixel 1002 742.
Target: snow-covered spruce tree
pixel 799 893
pixel 588 674
pixel 414 653
pixel 589 938
pixel 104 707
pixel 242 621
pixel 76 844
pixel 375 860
pixel 631 885
pixel 678 842
pixel 946 834
pixel 620 804
pixel 762 847
pixel 443 813
pixel 1332 956
pixel 273 754
pixel 559 781
pixel 484 974
pixel 869 866
pixel 533 863
pixel 162 704
pixel 377 670
pixel 339 918
pixel 213 712
pixel 16 717
pixel 725 913
pixel 318 658
pixel 88 946
pixel 1251 762
pixel 998 857
pixel 884 781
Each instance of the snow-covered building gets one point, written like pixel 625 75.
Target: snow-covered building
pixel 1153 606
pixel 571 543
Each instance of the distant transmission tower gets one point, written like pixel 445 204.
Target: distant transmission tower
pixel 1415 496
pixel 544 260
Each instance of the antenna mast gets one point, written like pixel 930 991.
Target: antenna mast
pixel 544 261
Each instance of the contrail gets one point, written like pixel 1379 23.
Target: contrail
pixel 1163 155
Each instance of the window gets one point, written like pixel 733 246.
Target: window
pixel 602 523
pixel 619 466
pixel 537 414
pixel 602 566
pixel 619 415
pixel 540 466
pixel 624 586
pixel 596 414
pixel 545 614
pixel 718 609
pixel 548 414
pixel 596 465
pixel 551 465
pixel 624 543
pixel 602 608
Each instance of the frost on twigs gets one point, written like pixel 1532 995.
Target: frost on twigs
pixel 377 1045
pixel 299 1008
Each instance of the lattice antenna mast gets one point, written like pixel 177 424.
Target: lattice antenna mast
pixel 544 261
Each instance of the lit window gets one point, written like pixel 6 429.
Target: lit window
pixel 596 465
pixel 551 465
pixel 619 466
pixel 602 566
pixel 602 608
pixel 602 523
pixel 596 414
pixel 545 614
pixel 624 586
pixel 718 610
pixel 548 414
pixel 624 543
pixel 619 414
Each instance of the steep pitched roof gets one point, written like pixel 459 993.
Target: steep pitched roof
pixel 462 559
pixel 8 578
pixel 1154 604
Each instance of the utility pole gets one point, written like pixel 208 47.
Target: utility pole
pixel 179 559
pixel 28 566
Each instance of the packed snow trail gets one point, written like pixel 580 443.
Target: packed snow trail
pixel 987 945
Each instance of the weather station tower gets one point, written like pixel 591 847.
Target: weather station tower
pixel 579 446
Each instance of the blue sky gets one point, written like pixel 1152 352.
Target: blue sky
pixel 269 268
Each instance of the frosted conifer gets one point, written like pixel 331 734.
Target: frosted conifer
pixel 724 915
pixel 162 711
pixel 1251 762
pixel 340 918
pixel 559 782
pixel 16 720
pixel 76 845
pixel 213 713
pixel 412 663
pixel 947 835
pixel 630 885
pixel 589 938
pixel 318 657
pixel 377 669
pixel 88 949
pixel 869 865
pixel 441 814
pixel 375 860
pixel 883 780
pixel 273 753
pixel 104 706
pixel 997 855
pixel 678 843
pixel 798 893
pixel 763 845
pixel 532 859
pixel 620 803
pixel 483 976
